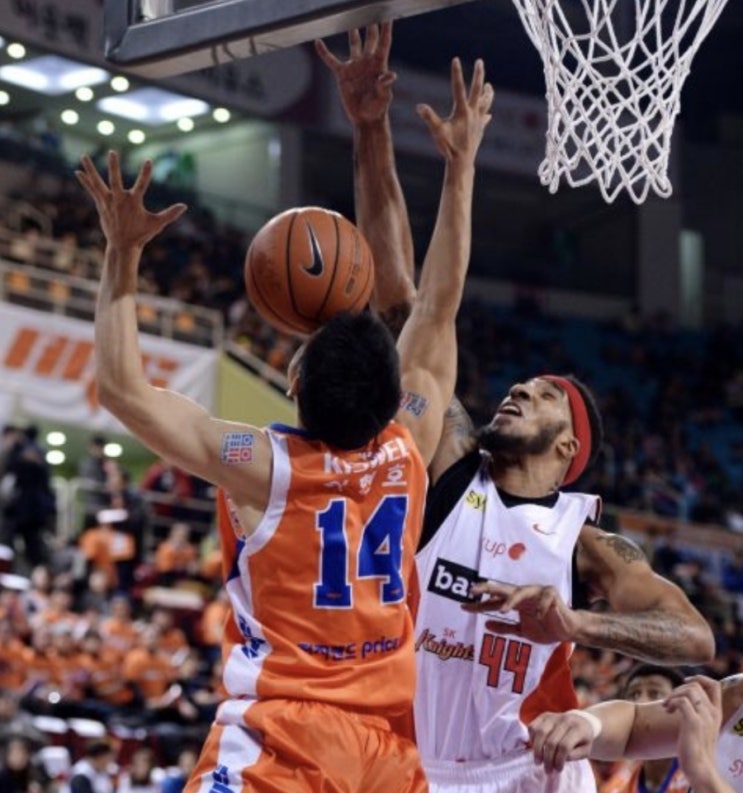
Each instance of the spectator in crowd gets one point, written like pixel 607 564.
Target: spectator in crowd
pixel 648 683
pixel 110 548
pixel 143 774
pixel 92 472
pixel 176 778
pixel 93 772
pixel 20 772
pixel 29 505
pixel 176 556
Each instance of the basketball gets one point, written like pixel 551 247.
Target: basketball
pixel 306 265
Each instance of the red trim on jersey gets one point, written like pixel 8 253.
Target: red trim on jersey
pixel 554 692
pixel 581 426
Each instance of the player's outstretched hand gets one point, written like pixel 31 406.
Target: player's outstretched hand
pixel 124 220
pixel 458 137
pixel 557 738
pixel 364 78
pixel 544 617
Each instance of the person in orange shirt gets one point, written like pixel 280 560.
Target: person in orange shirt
pixel 211 626
pixel 119 632
pixel 173 640
pixel 103 681
pixel 176 557
pixel 150 671
pixel 12 669
pixel 320 521
pixel 108 548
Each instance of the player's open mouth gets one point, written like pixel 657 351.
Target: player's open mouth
pixel 509 409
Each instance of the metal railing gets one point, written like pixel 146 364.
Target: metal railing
pixel 72 296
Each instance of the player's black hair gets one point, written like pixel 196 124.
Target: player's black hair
pixel 674 677
pixel 349 380
pixel 594 417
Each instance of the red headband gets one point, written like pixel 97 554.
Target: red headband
pixel 581 426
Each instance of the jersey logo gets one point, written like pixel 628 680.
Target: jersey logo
pixel 539 530
pixel 453 581
pixel 738 728
pixel 476 500
pixel 317 267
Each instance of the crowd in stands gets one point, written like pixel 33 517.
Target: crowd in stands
pixel 120 627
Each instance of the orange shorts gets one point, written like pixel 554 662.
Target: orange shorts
pixel 292 746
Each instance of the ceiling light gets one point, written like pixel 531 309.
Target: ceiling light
pixel 84 93
pixel 185 124
pixel 178 108
pixel 136 136
pixel 222 115
pixel 16 50
pixel 4 97
pixel 70 117
pixel 52 75
pixel 152 106
pixel 113 450
pixel 106 127
pixel 55 457
pixel 56 438
pixel 120 84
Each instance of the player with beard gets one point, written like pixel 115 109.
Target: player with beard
pixel 512 570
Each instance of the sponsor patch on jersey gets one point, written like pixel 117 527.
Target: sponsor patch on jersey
pixel 453 581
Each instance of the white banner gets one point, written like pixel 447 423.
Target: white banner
pixel 514 141
pixel 47 368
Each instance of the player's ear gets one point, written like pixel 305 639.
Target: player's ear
pixel 567 445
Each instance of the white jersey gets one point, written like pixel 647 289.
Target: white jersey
pixel 477 690
pixel 730 750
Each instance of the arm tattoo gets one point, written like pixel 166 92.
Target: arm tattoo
pixel 625 549
pixel 394 317
pixel 457 421
pixel 650 636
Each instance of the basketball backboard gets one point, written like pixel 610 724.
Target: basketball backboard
pixel 161 38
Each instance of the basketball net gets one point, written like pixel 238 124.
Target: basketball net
pixel 614 89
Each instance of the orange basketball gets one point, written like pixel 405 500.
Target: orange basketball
pixel 306 265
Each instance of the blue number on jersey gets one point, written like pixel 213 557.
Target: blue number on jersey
pixel 380 552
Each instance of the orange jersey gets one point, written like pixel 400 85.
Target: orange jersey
pixel 318 591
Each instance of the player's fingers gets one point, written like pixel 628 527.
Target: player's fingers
pixel 458 89
pixel 485 101
pixel 326 56
pixel 386 79
pixel 711 688
pixel 506 628
pixel 385 39
pixel 430 116
pixel 539 731
pixel 354 43
pixel 520 596
pixel 95 180
pixel 491 588
pixel 553 752
pixel 144 177
pixel 114 171
pixel 372 39
pixel 546 601
pixel 478 80
pixel 171 214
pixel 82 177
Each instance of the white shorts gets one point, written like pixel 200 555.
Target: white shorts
pixel 513 774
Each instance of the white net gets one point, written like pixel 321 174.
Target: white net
pixel 614 70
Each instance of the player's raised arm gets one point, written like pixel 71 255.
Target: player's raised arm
pixel 364 84
pixel 173 426
pixel 427 344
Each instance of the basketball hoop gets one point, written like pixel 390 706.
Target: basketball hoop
pixel 614 87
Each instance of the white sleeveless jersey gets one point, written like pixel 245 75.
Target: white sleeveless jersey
pixel 477 690
pixel 730 750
